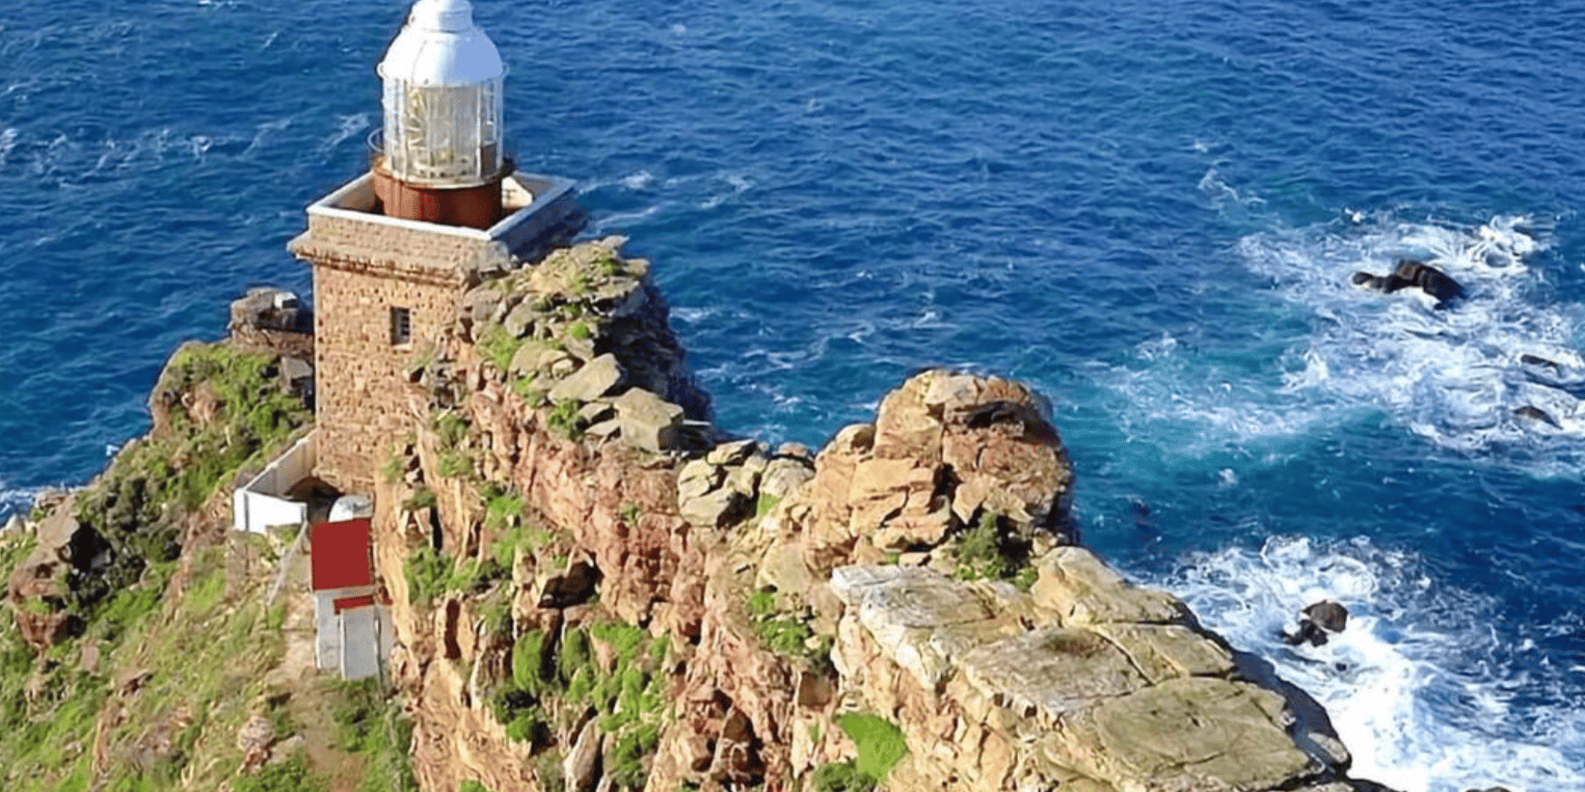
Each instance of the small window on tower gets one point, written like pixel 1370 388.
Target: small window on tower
pixel 401 326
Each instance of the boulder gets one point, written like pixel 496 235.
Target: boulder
pixel 597 378
pixel 1329 615
pixel 1082 590
pixel 648 422
pixel 784 475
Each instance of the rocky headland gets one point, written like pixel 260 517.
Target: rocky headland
pixel 595 588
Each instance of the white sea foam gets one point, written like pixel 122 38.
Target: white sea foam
pixel 1198 406
pixel 15 500
pixel 1416 685
pixel 1454 376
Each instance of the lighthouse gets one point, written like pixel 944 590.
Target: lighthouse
pixel 440 207
pixel 441 157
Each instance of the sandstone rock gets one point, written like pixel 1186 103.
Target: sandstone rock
pixel 479 305
pixel 519 321
pixel 921 620
pixel 795 451
pixel 254 740
pixel 1050 673
pixel 1194 734
pixel 526 360
pixel 581 768
pixel 733 453
pixel 580 348
pixel 1077 586
pixel 783 569
pixel 570 587
pixel 1166 651
pixel 713 509
pixel 784 475
pixel 36 589
pixel 648 422
pixel 597 378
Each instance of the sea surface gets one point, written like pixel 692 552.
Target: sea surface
pixel 1148 210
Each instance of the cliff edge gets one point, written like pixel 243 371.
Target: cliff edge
pixel 594 588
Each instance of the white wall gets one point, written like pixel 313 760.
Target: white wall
pixel 259 504
pixel 359 644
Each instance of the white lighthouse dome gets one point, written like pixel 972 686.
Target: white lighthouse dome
pixel 440 46
pixel 443 81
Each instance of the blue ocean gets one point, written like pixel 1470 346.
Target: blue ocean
pixel 1150 211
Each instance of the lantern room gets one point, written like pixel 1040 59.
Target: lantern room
pixel 441 158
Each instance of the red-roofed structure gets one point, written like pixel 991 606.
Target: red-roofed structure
pixel 345 603
pixel 339 555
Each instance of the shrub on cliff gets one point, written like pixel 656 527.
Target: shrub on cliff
pixel 426 572
pixel 216 409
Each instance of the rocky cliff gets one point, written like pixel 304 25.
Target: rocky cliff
pixel 594 588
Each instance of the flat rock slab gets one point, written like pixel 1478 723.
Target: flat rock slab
pixel 1167 651
pixel 1193 734
pixel 1051 673
pixel 920 619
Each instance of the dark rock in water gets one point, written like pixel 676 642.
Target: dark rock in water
pixel 1490 789
pixel 1419 274
pixel 1315 622
pixel 1536 414
pixel 1308 633
pixel 1534 360
pixel 1329 615
pixel 1431 280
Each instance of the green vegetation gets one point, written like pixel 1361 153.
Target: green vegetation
pixel 472 786
pixel 788 637
pixel 880 746
pixel 391 469
pixel 199 658
pixel 370 724
pixel 451 429
pixel 565 421
pixel 288 776
pixel 422 498
pixel 498 347
pixel 840 777
pixel 629 513
pixel 580 330
pixel 502 509
pixel 880 743
pixel 528 388
pixel 984 553
pixel 427 572
pixel 765 503
pixel 136 505
pixel 553 682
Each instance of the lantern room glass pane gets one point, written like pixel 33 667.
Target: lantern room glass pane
pixel 439 134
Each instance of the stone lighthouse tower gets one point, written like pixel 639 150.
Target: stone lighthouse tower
pixel 394 249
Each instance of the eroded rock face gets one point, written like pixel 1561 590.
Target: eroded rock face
pixel 946 451
pixel 38 586
pixel 1141 704
pixel 791 587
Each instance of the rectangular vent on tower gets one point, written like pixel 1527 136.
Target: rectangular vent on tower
pixel 401 326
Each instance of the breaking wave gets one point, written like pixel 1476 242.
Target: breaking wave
pixel 1427 685
pixel 1498 370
